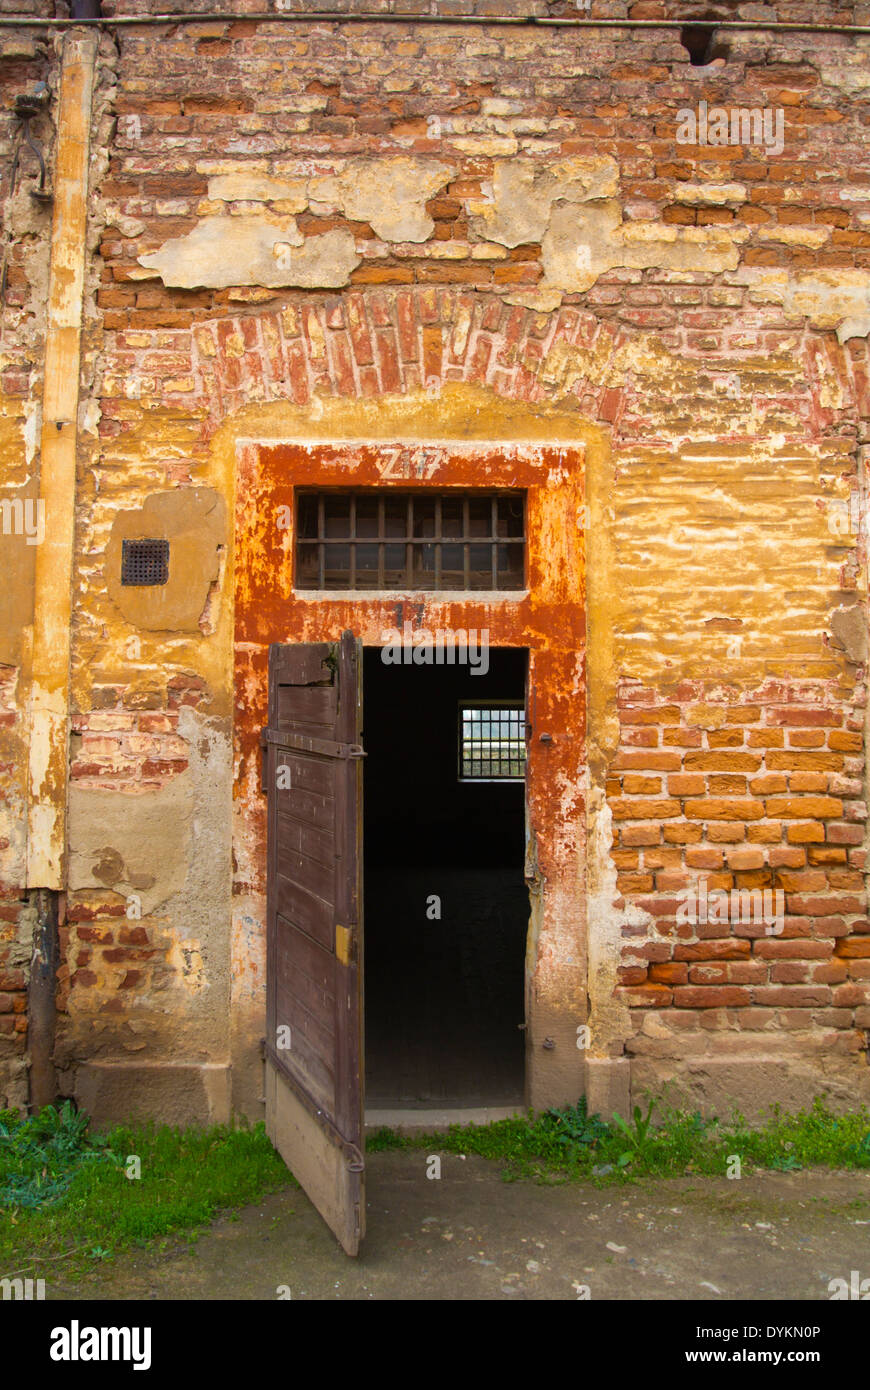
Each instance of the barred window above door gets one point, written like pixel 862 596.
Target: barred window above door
pixel 385 539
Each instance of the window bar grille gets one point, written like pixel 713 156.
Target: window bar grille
pixel 382 531
pixel 321 547
pixel 352 542
pixel 332 527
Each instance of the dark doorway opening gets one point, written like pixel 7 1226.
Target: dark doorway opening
pixel 444 996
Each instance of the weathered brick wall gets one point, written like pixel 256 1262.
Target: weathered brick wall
pixel 705 343
pixel 767 794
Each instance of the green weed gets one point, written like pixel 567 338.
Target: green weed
pixel 65 1194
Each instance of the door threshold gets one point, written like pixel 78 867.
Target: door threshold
pixel 439 1117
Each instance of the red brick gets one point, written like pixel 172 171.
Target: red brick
pixel 715 997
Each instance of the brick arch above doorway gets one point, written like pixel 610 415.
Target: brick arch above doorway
pixel 381 343
pixel 366 345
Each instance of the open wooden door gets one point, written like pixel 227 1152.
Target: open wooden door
pixel 312 776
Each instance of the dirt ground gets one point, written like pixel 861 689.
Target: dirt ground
pixel 470 1235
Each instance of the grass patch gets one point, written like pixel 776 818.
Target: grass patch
pixel 66 1201
pixel 569 1144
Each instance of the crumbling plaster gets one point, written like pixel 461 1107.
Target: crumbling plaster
pixel 570 208
pixel 164 856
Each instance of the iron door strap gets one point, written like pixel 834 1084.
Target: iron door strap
pixel 304 743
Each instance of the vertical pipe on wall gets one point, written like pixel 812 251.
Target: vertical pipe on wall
pixel 50 661
pixel 41 1005
pixel 50 670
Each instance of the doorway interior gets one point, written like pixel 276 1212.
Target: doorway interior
pixel 445 900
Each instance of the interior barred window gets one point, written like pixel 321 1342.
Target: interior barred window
pixel 381 539
pixel 492 742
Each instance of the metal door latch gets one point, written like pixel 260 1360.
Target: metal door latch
pixel 354 1161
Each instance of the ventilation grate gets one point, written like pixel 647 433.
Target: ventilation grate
pixel 145 562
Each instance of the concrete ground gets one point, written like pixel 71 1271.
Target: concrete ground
pixel 470 1235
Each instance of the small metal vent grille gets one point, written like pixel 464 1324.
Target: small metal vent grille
pixel 144 562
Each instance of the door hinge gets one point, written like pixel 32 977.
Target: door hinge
pixel 354 1161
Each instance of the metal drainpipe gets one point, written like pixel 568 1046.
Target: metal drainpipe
pixel 42 1009
pixel 758 26
pixel 48 702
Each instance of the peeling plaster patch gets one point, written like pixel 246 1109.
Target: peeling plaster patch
pixel 811 237
pixel 584 242
pixel 255 187
pixel 90 416
pixel 605 926
pixel 522 195
pixel 31 431
pixel 850 73
pixel 127 226
pixel 132 843
pixel 224 251
pixel 855 327
pixel 13 838
pixel 203 904
pixel 185 957
pixel 837 298
pixel 541 301
pixel 849 628
pixel 710 194
pixel 389 194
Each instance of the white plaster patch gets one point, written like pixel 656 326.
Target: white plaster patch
pixel 259 188
pixel 126 225
pixel 849 73
pixel 389 194
pixel 837 298
pixel 517 204
pixel 31 431
pixel 810 237
pixel 224 251
pixel 132 844
pixel 581 243
pixel 710 194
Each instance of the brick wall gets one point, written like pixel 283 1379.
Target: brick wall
pixel 737 420
pixel 761 793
